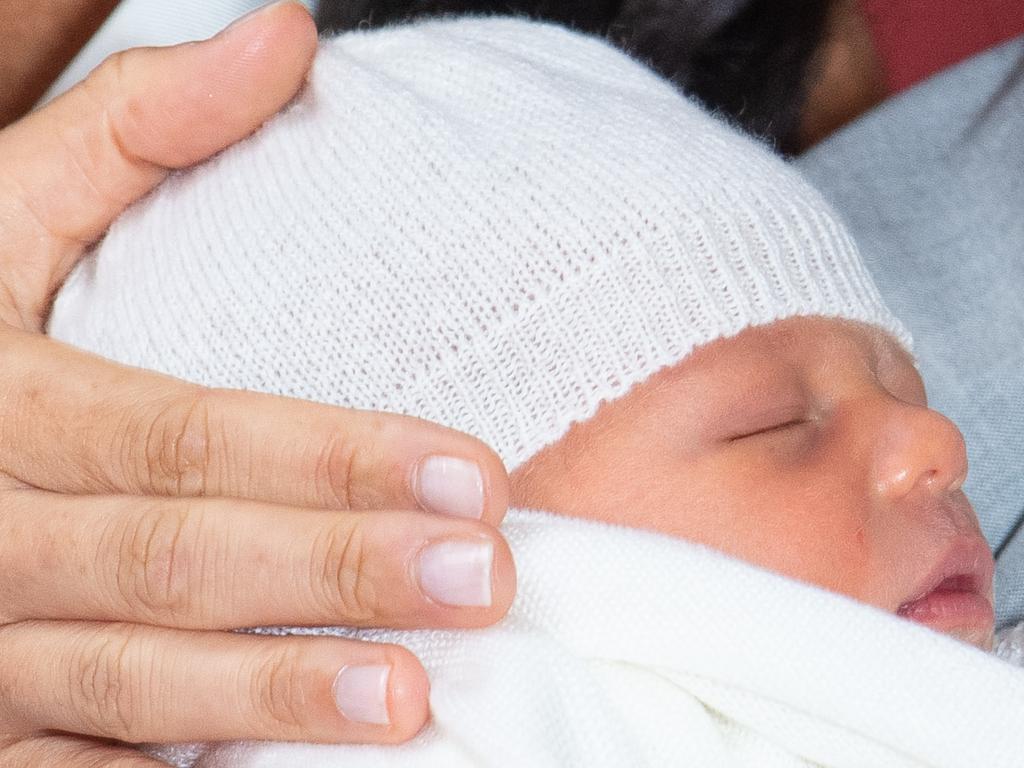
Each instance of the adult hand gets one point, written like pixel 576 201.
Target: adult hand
pixel 140 514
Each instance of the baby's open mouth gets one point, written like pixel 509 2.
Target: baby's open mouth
pixel 956 595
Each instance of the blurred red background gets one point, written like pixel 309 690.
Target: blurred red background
pixel 917 38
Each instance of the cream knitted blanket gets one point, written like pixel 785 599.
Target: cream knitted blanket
pixel 626 648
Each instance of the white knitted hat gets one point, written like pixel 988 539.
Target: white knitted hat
pixel 494 224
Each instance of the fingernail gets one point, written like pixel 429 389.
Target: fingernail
pixel 241 21
pixel 458 572
pixel 361 693
pixel 450 486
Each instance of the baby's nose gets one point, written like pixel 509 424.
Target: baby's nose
pixel 919 448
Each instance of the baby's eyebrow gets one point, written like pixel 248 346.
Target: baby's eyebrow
pixel 781 389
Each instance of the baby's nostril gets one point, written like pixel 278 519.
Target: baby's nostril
pixel 933 478
pixel 928 478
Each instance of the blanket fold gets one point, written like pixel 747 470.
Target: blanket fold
pixel 630 648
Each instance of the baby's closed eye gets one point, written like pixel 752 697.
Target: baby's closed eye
pixel 765 426
pixel 764 413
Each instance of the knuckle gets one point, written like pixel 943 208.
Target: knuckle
pixel 105 82
pixel 279 692
pixel 343 584
pixel 171 446
pixel 343 475
pixel 109 76
pixel 15 581
pixel 108 87
pixel 154 557
pixel 103 685
pixel 14 683
pixel 118 107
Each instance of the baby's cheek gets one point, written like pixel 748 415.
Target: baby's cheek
pixel 812 526
pixel 828 553
pixel 801 520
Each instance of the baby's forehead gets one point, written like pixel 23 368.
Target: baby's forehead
pixel 781 359
pixel 769 346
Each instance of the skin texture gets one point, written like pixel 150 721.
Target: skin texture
pixel 141 515
pixel 805 446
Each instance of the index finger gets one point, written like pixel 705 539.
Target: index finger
pixel 76 423
pixel 70 168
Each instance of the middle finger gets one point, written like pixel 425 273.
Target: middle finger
pixel 224 563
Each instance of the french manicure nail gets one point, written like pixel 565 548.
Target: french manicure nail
pixel 361 693
pixel 458 573
pixel 450 486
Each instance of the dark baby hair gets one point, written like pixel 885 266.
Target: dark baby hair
pixel 749 59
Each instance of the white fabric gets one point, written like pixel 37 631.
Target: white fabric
pixel 489 223
pixel 685 658
pixel 1009 644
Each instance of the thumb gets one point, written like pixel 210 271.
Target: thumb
pixel 67 170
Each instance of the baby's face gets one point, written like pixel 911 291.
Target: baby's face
pixel 806 447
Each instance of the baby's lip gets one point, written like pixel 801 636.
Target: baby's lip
pixel 957 591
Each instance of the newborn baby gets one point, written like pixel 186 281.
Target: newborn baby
pixel 519 232
pixel 806 446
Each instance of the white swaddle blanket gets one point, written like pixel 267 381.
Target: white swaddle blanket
pixel 630 648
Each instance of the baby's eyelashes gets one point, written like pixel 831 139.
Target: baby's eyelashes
pixel 742 421
pixel 767 430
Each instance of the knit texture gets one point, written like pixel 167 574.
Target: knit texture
pixel 489 223
pixel 1009 644
pixel 689 658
